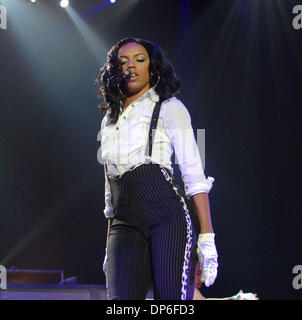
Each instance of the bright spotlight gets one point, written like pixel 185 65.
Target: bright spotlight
pixel 64 3
pixel 33 1
pixel 112 1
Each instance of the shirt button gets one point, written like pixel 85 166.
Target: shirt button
pixel 116 128
pixel 132 105
pixel 124 117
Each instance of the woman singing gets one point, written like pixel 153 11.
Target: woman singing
pixel 156 230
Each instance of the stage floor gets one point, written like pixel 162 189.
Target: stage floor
pixel 56 292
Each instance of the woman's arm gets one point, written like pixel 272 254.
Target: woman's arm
pixel 202 206
pixel 177 122
pixel 108 211
pixel 108 229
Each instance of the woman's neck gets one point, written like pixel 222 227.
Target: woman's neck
pixel 130 98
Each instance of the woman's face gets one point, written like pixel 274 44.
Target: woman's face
pixel 134 57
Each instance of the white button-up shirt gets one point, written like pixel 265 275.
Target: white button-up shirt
pixel 124 144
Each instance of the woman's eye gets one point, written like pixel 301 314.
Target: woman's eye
pixel 141 59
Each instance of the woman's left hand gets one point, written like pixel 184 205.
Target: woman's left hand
pixel 207 256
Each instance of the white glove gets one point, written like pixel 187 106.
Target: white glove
pixel 207 256
pixel 245 296
pixel 105 263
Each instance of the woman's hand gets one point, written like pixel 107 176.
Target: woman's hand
pixel 105 263
pixel 207 256
pixel 245 296
pixel 206 249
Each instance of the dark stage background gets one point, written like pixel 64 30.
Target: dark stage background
pixel 240 66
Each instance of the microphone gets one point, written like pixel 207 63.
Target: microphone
pixel 127 74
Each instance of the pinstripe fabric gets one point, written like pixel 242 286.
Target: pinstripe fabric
pixel 152 237
pixel 189 243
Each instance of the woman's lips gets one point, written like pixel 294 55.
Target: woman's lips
pixel 132 79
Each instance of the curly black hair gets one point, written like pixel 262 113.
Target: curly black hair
pixel 110 80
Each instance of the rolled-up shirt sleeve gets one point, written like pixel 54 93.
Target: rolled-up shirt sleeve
pixel 179 129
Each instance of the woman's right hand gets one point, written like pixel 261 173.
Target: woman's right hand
pixel 105 263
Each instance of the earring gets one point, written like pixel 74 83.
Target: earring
pixel 120 90
pixel 157 82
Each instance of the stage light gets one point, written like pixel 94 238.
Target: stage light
pixel 33 1
pixel 112 1
pixel 64 3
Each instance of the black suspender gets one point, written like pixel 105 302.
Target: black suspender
pixel 153 125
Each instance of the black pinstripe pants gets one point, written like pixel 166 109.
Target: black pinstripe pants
pixel 153 237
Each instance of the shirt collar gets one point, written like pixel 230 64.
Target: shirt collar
pixel 151 94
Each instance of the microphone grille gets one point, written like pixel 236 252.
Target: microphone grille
pixel 127 73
